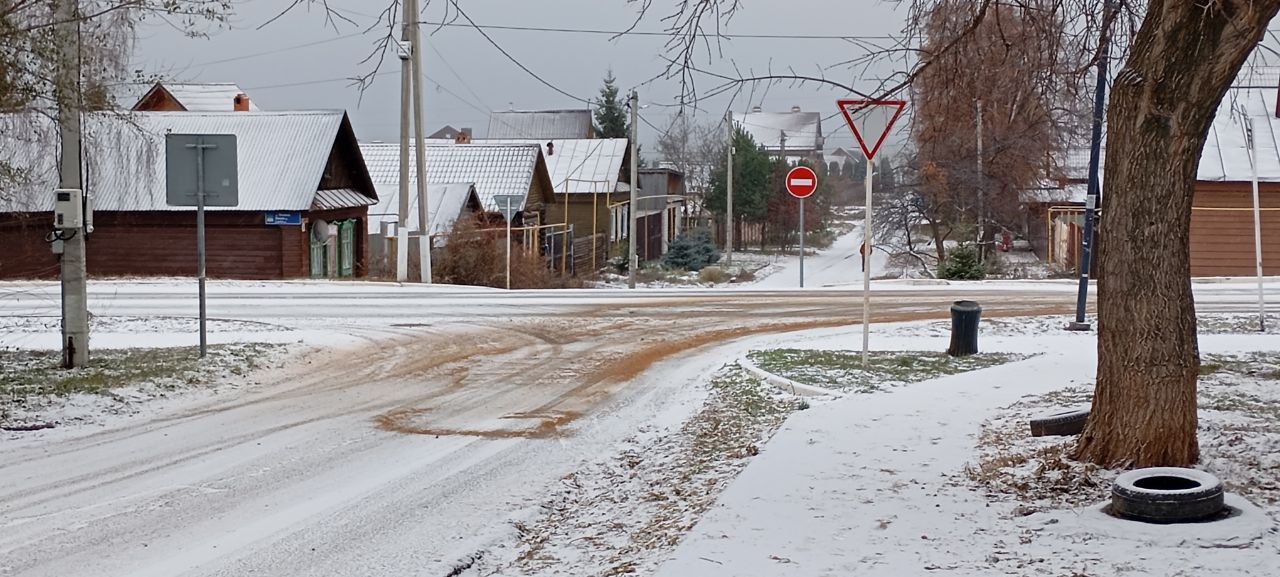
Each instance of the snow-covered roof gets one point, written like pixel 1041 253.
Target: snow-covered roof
pixel 494 169
pixel 540 124
pixel 281 157
pixel 445 203
pixel 1226 156
pixel 803 129
pixel 1050 193
pixel 206 97
pixel 579 165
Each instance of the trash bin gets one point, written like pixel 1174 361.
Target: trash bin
pixel 964 328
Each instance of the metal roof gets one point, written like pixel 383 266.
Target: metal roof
pixel 281 158
pixel 541 124
pixel 495 169
pixel 445 203
pixel 803 129
pixel 1226 156
pixel 579 165
pixel 219 97
pixel 340 198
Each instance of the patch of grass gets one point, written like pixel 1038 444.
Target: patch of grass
pixel 842 370
pixel 39 373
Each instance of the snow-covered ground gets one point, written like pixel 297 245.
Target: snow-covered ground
pixel 876 485
pixel 839 265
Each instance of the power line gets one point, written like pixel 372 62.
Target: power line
pixel 509 56
pixel 656 33
pixel 279 50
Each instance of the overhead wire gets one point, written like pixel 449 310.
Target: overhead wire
pixel 619 33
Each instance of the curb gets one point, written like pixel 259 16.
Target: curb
pixel 786 384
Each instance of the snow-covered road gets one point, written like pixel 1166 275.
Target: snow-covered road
pixel 410 442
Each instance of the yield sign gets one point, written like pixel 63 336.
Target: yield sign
pixel 802 181
pixel 871 121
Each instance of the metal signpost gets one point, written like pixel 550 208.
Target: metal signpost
pixel 200 171
pixel 1249 128
pixel 509 204
pixel 870 121
pixel 802 181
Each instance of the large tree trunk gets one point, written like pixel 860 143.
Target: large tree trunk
pixel 1182 61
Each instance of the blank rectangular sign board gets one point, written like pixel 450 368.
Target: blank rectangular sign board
pixel 221 186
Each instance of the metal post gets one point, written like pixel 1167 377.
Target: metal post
pixel 510 215
pixel 728 200
pixel 420 153
pixel 866 271
pixel 199 148
pixel 406 69
pixel 802 243
pixel 982 212
pixel 631 207
pixel 1095 153
pixel 1257 225
pixel 75 313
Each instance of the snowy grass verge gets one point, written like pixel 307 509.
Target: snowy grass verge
pixel 624 514
pixel 35 392
pixel 842 370
pixel 1239 398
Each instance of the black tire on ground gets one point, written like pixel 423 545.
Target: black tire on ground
pixel 1166 495
pixel 1060 424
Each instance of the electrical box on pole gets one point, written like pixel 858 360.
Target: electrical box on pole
pixel 67 209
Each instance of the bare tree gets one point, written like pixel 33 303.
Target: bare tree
pixel 695 150
pixel 1180 59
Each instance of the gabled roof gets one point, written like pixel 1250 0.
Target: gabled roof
pixel 210 97
pixel 281 158
pixel 445 202
pixel 1226 156
pixel 541 124
pixel 495 169
pixel 579 165
pixel 803 129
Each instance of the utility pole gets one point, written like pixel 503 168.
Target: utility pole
pixel 420 152
pixel 75 312
pixel 728 198
pixel 633 260
pixel 866 267
pixel 782 147
pixel 1095 154
pixel 982 214
pixel 406 70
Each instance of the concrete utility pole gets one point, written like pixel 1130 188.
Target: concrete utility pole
pixel 728 197
pixel 420 152
pixel 982 215
pixel 633 259
pixel 406 71
pixel 75 312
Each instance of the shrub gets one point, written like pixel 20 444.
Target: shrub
pixel 692 251
pixel 962 264
pixel 475 256
pixel 713 275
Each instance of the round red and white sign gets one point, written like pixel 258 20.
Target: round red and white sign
pixel 802 181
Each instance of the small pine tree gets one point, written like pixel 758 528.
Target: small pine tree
pixel 691 252
pixel 962 264
pixel 611 113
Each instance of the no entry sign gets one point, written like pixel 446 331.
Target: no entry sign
pixel 802 181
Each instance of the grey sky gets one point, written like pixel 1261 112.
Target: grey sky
pixel 481 79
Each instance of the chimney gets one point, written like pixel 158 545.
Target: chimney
pixel 795 109
pixel 755 109
pixel 551 148
pixel 241 102
pixel 463 136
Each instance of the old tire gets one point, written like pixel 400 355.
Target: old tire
pixel 1166 495
pixel 1060 424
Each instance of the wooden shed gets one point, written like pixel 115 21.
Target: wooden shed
pixel 304 195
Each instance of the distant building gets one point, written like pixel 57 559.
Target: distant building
pixel 658 219
pixel 450 133
pixel 541 124
pixel 187 97
pixel 798 132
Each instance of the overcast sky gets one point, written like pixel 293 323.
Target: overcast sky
pixel 469 76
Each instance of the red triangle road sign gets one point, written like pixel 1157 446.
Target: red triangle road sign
pixel 870 121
